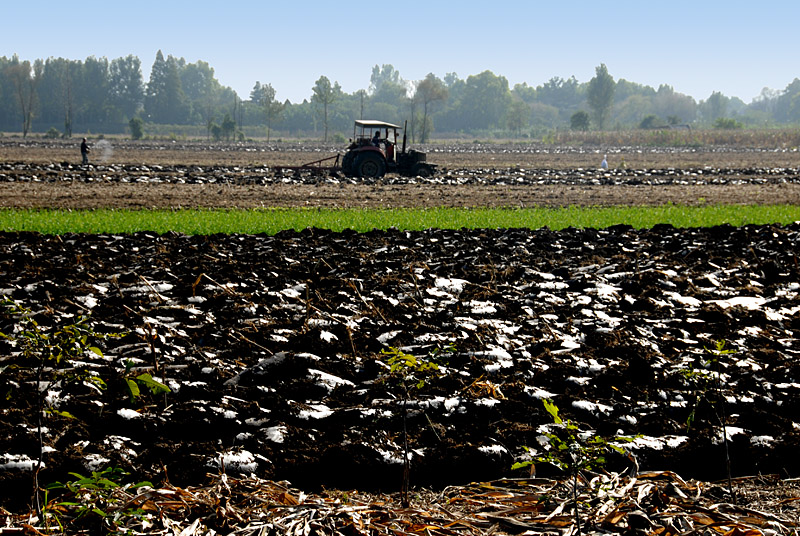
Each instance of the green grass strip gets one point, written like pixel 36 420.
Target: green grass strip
pixel 271 221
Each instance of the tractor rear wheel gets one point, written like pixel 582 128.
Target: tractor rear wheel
pixel 370 165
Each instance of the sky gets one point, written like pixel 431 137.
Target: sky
pixel 697 47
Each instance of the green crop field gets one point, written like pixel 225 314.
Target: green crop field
pixel 271 221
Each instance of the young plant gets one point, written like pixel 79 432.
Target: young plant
pixel 101 497
pixel 573 451
pixel 410 373
pixel 144 380
pixel 706 383
pixel 48 354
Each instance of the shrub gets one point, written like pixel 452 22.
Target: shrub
pixel 579 121
pixel 137 128
pixel 727 123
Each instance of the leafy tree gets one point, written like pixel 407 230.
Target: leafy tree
pixel 486 99
pixel 631 110
pixel 715 107
pixel 228 126
pixel 579 121
pixel 362 97
pixel 518 114
pixel 624 89
pixel 388 94
pixel 524 93
pixel 384 75
pixel 429 91
pixel 202 90
pixel 126 85
pixel 57 90
pixel 600 96
pixel 216 130
pixel 544 117
pixel 786 107
pixel 165 101
pixel 324 95
pixel 669 103
pixel 93 98
pixel 264 96
pixel 564 94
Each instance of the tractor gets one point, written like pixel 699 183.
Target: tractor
pixel 373 153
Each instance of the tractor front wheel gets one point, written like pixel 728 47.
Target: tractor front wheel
pixel 421 170
pixel 347 164
pixel 370 165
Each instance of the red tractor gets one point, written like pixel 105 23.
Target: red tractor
pixel 373 153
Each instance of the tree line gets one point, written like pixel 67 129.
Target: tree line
pixel 58 96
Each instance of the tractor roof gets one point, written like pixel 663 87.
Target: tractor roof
pixel 369 123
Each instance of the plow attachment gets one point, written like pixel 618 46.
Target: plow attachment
pixel 315 166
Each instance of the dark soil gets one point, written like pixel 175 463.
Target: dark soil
pixel 274 347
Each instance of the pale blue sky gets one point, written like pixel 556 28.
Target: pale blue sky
pixel 698 47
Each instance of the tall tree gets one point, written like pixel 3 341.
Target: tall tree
pixel 383 75
pixel 388 94
pixel 67 95
pixel 362 97
pixel 429 91
pixel 126 85
pixel 518 115
pixel 715 107
pixel 324 94
pixel 165 101
pixel 486 99
pixel 92 103
pixel 58 89
pixel 562 93
pixel 201 89
pixel 600 95
pixel 670 104
pixel 25 79
pixel 273 108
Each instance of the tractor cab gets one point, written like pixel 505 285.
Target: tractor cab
pixel 369 133
pixel 373 152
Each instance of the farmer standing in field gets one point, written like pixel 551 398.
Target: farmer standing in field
pixel 85 151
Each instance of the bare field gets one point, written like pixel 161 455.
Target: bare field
pixel 124 174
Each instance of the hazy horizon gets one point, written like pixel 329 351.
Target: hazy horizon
pixel 736 48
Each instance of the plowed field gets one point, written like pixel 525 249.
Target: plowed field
pixel 275 347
